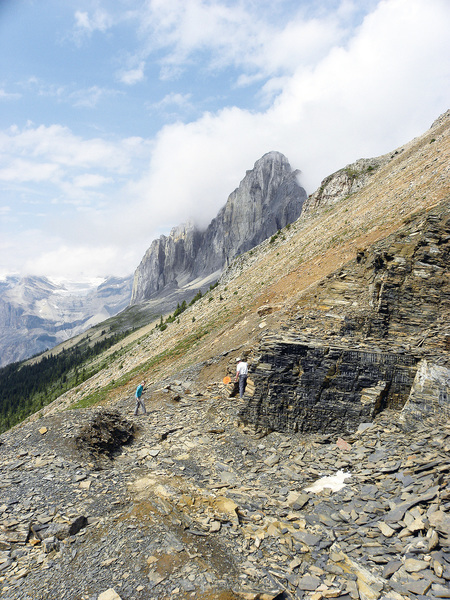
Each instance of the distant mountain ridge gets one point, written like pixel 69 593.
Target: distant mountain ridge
pixel 36 314
pixel 267 199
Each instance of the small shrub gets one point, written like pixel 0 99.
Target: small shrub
pixel 195 298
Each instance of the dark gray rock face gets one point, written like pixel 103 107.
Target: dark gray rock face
pixel 360 337
pixel 319 389
pixel 267 199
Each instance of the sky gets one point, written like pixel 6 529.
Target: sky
pixel 120 119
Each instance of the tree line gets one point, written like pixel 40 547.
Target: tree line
pixel 26 388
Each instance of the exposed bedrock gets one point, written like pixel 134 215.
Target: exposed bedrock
pixel 323 389
pixel 267 199
pixel 358 339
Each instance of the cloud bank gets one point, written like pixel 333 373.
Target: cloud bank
pixel 324 83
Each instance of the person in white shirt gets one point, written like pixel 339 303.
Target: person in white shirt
pixel 241 374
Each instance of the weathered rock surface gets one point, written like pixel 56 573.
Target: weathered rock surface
pixel 198 506
pixel 268 198
pixel 327 389
pixel 430 393
pixel 346 181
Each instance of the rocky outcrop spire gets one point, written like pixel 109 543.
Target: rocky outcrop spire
pixel 267 199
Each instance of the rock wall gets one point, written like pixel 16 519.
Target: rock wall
pixel 430 394
pixel 267 199
pixel 342 183
pixel 321 389
pixel 356 340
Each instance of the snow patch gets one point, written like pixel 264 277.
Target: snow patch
pixel 333 482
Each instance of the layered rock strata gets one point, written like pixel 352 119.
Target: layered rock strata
pixel 357 339
pixel 268 198
pixel 317 388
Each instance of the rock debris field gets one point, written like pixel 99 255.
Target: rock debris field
pixel 186 502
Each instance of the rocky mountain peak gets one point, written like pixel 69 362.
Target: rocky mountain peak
pixel 268 198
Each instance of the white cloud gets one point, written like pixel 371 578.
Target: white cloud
pixel 91 180
pixel 174 99
pixel 79 260
pixel 329 94
pixel 20 170
pixel 132 76
pixel 173 107
pixel 9 95
pixel 244 35
pixel 88 23
pixel 89 97
pixel 361 99
pixel 57 144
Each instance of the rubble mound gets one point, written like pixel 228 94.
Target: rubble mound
pixel 105 434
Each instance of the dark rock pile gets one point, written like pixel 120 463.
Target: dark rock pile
pixel 105 434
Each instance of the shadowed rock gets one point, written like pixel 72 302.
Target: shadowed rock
pixel 105 434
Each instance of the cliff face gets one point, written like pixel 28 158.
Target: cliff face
pixel 268 198
pixel 341 184
pixel 360 337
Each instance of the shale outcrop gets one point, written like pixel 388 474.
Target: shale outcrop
pixel 382 314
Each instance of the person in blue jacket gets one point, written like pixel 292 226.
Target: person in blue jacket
pixel 139 398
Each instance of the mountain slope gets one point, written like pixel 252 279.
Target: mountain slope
pixel 278 273
pixel 208 507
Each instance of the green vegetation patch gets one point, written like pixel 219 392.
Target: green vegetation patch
pixel 180 349
pixel 26 388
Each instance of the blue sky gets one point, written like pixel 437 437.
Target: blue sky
pixel 122 118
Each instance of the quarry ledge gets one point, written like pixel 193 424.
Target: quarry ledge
pixel 315 387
